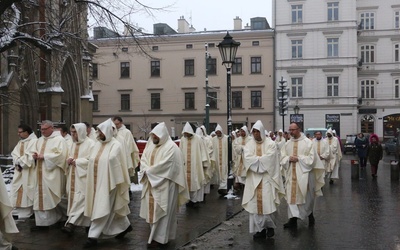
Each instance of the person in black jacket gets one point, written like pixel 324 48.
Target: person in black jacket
pixel 361 143
pixel 375 154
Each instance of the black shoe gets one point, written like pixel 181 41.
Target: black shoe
pixel 190 204
pixel 330 181
pixel 260 235
pixel 15 217
pixel 39 228
pixel 270 232
pixel 222 192
pixel 90 242
pixel 14 248
pixel 68 229
pixel 122 235
pixel 311 220
pixel 292 223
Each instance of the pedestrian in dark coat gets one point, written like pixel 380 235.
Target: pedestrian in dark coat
pixel 362 147
pixel 375 154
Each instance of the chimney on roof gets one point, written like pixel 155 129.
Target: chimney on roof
pixel 183 25
pixel 237 23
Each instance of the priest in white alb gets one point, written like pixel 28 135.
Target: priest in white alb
pixel 209 168
pixel 164 186
pixel 125 137
pixel 77 163
pixel 332 168
pixel 7 223
pixel 238 146
pixel 304 175
pixel 264 188
pixel 23 183
pixel 194 157
pixel 107 186
pixel 220 156
pixel 50 153
pixel 322 147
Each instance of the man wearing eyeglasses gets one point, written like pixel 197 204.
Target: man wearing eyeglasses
pixel 304 175
pixel 50 154
pixel 21 194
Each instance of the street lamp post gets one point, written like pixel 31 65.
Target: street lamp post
pixel 283 95
pixel 207 122
pixel 228 48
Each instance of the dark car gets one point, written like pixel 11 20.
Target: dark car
pixel 349 146
pixel 390 146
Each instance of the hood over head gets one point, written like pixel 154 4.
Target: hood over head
pixel 329 131
pixel 373 136
pixel 81 131
pixel 260 127
pixel 106 128
pixel 161 131
pixel 245 129
pixel 219 128
pixel 187 129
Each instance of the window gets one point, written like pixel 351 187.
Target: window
pixel 297 13
pixel 125 101
pixel 212 66
pixel 212 100
pixel 189 46
pixel 95 106
pixel 297 87
pixel 333 47
pixel 297 49
pixel 155 101
pixel 333 86
pixel 236 99
pixel 211 45
pixel 125 49
pixel 368 53
pixel 255 43
pixel 367 124
pixel 155 68
pixel 397 19
pixel 124 69
pixel 189 100
pixel 237 66
pixel 396 88
pixel 256 65
pixel 189 67
pixel 256 99
pixel 95 71
pixel 154 48
pixel 397 52
pixel 367 21
pixel 367 89
pixel 333 11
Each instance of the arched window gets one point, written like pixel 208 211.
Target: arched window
pixel 367 124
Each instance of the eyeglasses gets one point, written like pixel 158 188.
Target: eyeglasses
pixel 43 129
pixel 293 129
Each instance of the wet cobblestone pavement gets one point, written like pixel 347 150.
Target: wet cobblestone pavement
pixel 352 214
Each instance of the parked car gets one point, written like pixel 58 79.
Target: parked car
pixel 349 145
pixel 390 146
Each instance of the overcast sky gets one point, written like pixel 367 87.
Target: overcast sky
pixel 204 14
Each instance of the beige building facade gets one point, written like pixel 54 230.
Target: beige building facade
pixel 170 86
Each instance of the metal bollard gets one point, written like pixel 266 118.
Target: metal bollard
pixel 394 170
pixel 355 170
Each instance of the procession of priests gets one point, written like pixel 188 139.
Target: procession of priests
pixel 80 176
